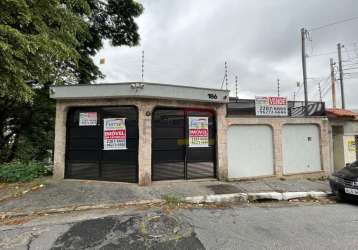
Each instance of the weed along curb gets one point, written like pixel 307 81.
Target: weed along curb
pixel 174 200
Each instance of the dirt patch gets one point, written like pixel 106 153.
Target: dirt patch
pixel 224 189
pixel 18 189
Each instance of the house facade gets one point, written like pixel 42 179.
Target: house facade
pixel 144 132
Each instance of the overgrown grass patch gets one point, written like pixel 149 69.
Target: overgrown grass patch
pixel 22 171
pixel 172 200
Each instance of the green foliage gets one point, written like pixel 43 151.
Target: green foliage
pixel 22 172
pixel 172 200
pixel 52 42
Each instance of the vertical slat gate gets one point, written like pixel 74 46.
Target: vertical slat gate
pixel 85 157
pixel 172 158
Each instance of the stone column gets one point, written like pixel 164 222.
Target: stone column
pixel 277 148
pixel 60 141
pixel 221 126
pixel 145 144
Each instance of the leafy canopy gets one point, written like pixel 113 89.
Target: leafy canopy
pixel 46 42
pixel 53 40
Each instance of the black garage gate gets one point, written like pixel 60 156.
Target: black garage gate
pixel 172 155
pixel 102 143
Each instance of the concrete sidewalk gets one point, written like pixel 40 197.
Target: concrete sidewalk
pixel 72 193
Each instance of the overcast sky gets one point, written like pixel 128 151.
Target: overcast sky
pixel 186 42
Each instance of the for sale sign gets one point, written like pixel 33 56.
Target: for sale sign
pixel 88 119
pixel 198 132
pixel 271 106
pixel 114 134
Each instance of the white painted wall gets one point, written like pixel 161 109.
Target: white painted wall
pixel 349 149
pixel 301 149
pixel 250 151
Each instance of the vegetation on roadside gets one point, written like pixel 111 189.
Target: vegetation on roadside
pixel 46 43
pixel 172 200
pixel 22 171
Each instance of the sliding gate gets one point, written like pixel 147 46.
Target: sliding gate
pixel 183 144
pixel 102 143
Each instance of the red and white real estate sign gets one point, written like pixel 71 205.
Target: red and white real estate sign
pixel 271 106
pixel 198 132
pixel 114 134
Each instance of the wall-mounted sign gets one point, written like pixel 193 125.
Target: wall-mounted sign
pixel 198 132
pixel 352 145
pixel 88 119
pixel 114 134
pixel 271 106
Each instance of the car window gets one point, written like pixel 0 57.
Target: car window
pixel 354 164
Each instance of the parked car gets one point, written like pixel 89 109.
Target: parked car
pixel 344 183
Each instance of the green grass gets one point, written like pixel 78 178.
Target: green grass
pixel 22 171
pixel 172 200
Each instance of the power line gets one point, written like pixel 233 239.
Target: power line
pixel 327 53
pixel 334 23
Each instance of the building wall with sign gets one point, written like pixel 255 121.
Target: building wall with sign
pixel 234 157
pixel 344 134
pixel 145 108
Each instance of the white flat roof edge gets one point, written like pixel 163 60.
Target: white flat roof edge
pixel 139 90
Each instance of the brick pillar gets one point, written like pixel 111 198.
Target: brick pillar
pixel 277 148
pixel 222 161
pixel 145 144
pixel 60 142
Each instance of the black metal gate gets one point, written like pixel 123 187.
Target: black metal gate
pixel 85 157
pixel 172 158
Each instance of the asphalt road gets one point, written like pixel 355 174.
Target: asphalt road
pixel 269 226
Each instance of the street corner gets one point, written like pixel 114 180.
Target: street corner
pixel 153 230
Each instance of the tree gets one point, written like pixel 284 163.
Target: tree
pixel 45 42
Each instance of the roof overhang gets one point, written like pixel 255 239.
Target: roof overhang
pixel 139 90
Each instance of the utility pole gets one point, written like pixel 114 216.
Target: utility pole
pixel 339 47
pixel 236 90
pixel 304 69
pixel 333 81
pixel 320 91
pixel 278 87
pixel 226 84
pixel 142 65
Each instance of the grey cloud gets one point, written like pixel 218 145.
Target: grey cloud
pixel 187 42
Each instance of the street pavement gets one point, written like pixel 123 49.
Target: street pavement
pixel 277 225
pixel 73 193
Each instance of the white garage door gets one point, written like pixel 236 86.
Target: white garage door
pixel 250 152
pixel 301 150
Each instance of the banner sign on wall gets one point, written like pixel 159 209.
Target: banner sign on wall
pixel 114 134
pixel 271 106
pixel 198 132
pixel 88 119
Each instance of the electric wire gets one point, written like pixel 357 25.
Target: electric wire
pixel 334 23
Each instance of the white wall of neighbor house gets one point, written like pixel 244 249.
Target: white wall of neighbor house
pixel 301 148
pixel 349 149
pixel 250 151
pixel 291 149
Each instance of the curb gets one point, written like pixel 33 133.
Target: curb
pixel 215 198
pixel 218 198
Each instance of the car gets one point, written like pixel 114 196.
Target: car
pixel 344 183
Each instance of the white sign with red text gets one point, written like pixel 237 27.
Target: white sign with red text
pixel 88 119
pixel 114 134
pixel 271 106
pixel 198 132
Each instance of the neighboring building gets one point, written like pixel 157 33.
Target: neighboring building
pixel 344 129
pixel 143 132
